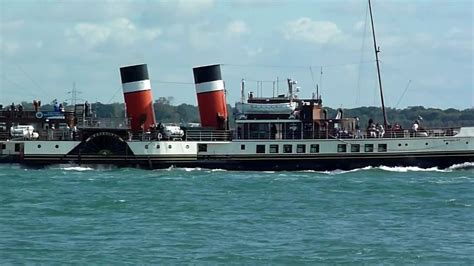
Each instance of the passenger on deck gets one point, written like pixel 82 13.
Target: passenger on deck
pixel 371 129
pixel 87 109
pixel 20 110
pixel 56 106
pixel 380 131
pixel 273 131
pixel 357 128
pixel 397 130
pixel 414 127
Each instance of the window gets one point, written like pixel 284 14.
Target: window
pixel 260 148
pixel 369 147
pixel 314 148
pixel 202 147
pixel 382 147
pixel 287 148
pixel 3 146
pixel 242 147
pixel 17 146
pixel 273 148
pixel 301 148
pixel 355 147
pixel 158 146
pixel 341 148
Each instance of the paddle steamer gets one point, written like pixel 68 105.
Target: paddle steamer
pixel 269 133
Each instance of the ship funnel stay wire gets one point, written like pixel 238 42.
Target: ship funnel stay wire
pixel 297 66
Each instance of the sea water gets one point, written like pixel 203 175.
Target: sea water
pixel 67 214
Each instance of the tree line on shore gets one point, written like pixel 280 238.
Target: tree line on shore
pixel 166 112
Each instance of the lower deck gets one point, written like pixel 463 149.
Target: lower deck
pixel 312 154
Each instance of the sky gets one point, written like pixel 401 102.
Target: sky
pixel 426 49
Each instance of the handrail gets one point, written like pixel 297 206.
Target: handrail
pixel 228 135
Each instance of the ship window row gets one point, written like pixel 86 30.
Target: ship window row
pixel 367 147
pixel 287 148
pixel 314 148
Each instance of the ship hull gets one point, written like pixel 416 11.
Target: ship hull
pixel 319 163
pixel 250 155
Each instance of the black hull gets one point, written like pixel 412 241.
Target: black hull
pixel 320 163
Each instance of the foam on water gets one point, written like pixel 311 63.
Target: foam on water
pixel 77 168
pixel 191 169
pixel 404 169
pixel 218 170
pixel 466 165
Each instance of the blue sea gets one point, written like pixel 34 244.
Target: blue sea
pixel 71 214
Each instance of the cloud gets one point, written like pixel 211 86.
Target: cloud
pixel 255 3
pixel 8 48
pixel 193 7
pixel 458 39
pixel 360 26
pixel 204 36
pixel 12 25
pixel 120 31
pixel 318 32
pixel 237 28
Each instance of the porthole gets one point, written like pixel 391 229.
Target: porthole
pixel 187 146
pixel 399 144
pixel 146 147
pixel 169 147
pixel 426 143
pixel 39 146
pixel 57 146
pixel 447 143
pixel 158 146
pixel 406 144
pixel 467 142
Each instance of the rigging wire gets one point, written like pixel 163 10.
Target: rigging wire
pixel 320 80
pixel 173 82
pixel 113 96
pixel 403 94
pixel 296 66
pixel 362 54
pixel 31 79
pixel 312 78
pixel 23 88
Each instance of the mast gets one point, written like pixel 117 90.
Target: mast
pixel 377 51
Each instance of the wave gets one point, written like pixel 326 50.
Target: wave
pixel 190 169
pixel 77 168
pixel 338 171
pixel 404 169
pixel 463 166
pixel 399 169
pixel 217 170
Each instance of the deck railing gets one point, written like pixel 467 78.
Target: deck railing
pixel 90 122
pixel 342 134
pixel 208 135
pixel 227 135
